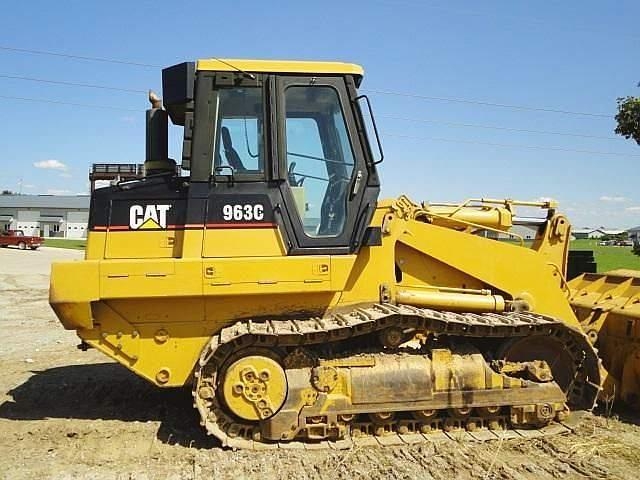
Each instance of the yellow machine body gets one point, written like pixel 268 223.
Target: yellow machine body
pixel 155 315
pixel 313 318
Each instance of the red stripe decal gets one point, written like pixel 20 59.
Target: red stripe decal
pixel 242 225
pixel 189 226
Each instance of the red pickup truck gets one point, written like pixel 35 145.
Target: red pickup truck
pixel 18 239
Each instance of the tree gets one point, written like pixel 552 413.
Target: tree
pixel 7 192
pixel 628 118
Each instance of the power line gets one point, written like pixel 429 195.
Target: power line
pixel 486 104
pixel 78 57
pixel 72 84
pixel 43 100
pixel 393 117
pixel 510 145
pixel 450 140
pixel 495 127
pixel 381 92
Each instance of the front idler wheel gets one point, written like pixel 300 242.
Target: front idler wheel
pixel 254 387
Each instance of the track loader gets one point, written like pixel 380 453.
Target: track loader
pixel 265 274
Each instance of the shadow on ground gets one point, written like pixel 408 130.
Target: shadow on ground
pixel 107 391
pixel 627 415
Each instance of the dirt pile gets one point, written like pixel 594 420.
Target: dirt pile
pixel 69 414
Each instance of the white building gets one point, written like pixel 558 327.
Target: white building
pixel 634 234
pixel 595 232
pixel 525 231
pixel 45 215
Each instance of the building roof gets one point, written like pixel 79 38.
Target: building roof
pixel 583 230
pixel 45 201
pixel 604 231
pixel 278 66
pixel 634 229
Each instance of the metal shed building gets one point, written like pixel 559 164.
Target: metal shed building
pixel 634 234
pixel 46 215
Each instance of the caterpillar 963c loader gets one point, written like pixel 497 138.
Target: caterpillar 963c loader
pixel 298 306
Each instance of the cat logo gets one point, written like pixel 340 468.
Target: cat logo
pixel 148 217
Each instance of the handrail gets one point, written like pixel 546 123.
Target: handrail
pixel 476 225
pixel 493 201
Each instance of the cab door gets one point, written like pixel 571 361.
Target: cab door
pixel 323 164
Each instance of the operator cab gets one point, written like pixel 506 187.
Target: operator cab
pixel 319 159
pixel 267 144
pixel 292 126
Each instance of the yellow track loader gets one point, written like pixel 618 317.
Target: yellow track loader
pixel 265 273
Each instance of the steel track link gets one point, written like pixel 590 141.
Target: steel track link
pixel 360 321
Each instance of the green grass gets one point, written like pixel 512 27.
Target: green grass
pixel 608 257
pixel 65 243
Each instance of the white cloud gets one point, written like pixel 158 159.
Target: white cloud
pixel 546 199
pixel 65 175
pixel 50 165
pixel 28 186
pixel 633 209
pixel 54 191
pixel 606 198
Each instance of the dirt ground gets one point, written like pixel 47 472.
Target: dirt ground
pixel 68 414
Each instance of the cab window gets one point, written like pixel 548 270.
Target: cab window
pixel 320 159
pixel 239 146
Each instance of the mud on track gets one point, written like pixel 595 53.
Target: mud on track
pixel 71 414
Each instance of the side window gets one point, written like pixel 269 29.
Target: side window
pixel 239 133
pixel 320 159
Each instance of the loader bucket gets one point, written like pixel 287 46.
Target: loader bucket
pixel 608 308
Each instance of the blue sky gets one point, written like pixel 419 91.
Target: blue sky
pixel 572 56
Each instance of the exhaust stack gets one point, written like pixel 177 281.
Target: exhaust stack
pixel 157 159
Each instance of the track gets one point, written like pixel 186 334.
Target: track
pixel 287 334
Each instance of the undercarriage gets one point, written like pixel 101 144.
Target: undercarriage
pixel 391 370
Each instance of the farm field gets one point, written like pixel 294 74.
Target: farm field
pixel 77 415
pixel 608 257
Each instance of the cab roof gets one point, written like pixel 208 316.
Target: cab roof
pixel 280 66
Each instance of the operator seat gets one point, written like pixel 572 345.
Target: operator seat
pixel 233 159
pixel 334 207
